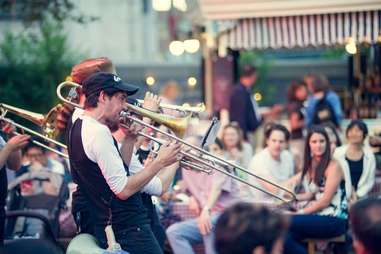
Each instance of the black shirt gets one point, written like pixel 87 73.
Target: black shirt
pixel 355 168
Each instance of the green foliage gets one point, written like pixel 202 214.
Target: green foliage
pixel 263 65
pixel 334 53
pixel 31 66
pixel 32 11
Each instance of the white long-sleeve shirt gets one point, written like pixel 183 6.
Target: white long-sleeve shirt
pixel 95 138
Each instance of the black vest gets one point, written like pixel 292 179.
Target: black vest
pixel 104 205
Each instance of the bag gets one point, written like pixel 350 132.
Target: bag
pixel 324 113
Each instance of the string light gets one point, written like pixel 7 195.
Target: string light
pixel 150 80
pixel 161 5
pixel 351 47
pixel 176 48
pixel 257 96
pixel 191 45
pixel 192 81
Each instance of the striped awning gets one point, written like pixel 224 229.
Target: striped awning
pixel 303 30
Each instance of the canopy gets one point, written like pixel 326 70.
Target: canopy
pixel 248 24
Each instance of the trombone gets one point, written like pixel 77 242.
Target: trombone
pixel 207 162
pixel 39 119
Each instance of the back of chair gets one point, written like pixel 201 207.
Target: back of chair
pixel 31 246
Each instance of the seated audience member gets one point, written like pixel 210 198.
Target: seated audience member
pixel 10 157
pixel 323 208
pixel 365 217
pixel 197 184
pixel 248 229
pixel 273 163
pixel 39 162
pixel 357 161
pixel 224 192
pixel 235 149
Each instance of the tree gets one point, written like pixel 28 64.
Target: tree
pixel 31 66
pixel 32 11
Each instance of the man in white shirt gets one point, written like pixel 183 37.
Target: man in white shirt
pixel 98 167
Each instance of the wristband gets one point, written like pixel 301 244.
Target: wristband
pixel 206 208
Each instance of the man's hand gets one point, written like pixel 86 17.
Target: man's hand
pixel 64 113
pixel 17 142
pixel 169 154
pixel 151 102
pixel 204 222
pixel 132 132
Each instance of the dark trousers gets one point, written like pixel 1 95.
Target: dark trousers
pixel 158 229
pixel 84 222
pixel 311 226
pixel 2 224
pixel 135 239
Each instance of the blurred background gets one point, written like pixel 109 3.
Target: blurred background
pixel 195 46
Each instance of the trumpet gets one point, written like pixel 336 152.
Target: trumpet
pixel 39 119
pixel 199 108
pixel 194 157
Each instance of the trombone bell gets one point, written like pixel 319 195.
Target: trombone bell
pixel 47 123
pixel 29 115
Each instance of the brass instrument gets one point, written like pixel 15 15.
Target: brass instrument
pixel 199 108
pixel 45 122
pixel 196 157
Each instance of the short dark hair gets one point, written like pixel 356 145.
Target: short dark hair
pixel 248 70
pixel 320 83
pixel 357 123
pixel 244 226
pixel 276 127
pixel 92 100
pixel 365 217
pixel 31 145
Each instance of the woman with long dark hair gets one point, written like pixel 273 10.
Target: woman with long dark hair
pixel 323 209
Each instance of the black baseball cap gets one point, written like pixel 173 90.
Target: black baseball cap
pixel 104 80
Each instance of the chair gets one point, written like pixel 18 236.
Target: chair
pixel 311 242
pixel 46 245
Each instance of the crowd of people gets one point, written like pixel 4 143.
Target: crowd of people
pixel 117 173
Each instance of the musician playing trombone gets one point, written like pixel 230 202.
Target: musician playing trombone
pixel 156 186
pixel 10 156
pixel 98 167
